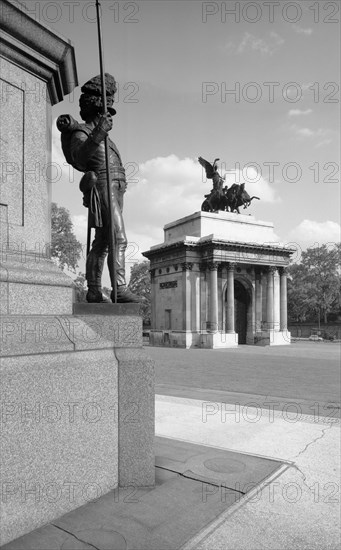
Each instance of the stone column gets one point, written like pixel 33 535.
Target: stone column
pixel 212 324
pixel 276 300
pixel 223 283
pixel 259 299
pixel 186 295
pixel 195 286
pixel 270 298
pixel 152 299
pixel 203 296
pixel 230 299
pixel 283 299
pixel 251 315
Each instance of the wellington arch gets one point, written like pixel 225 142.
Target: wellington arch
pixel 219 280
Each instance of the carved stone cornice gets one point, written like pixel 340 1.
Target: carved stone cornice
pixel 187 266
pixel 212 266
pixel 37 49
pixel 231 266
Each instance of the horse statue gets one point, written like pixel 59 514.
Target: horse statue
pixel 237 196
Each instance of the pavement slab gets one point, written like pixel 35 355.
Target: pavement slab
pixel 296 510
pixel 195 484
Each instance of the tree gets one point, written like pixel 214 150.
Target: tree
pixel 80 287
pixel 64 245
pixel 140 284
pixel 315 287
pixel 298 301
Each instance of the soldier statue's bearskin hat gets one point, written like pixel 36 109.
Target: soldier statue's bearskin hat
pixel 90 101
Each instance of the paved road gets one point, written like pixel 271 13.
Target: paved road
pixel 305 374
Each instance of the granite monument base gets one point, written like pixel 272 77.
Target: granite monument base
pixel 30 283
pixel 77 412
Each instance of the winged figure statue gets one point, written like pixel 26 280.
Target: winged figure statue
pixel 223 198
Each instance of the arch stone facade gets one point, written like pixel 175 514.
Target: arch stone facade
pixel 219 280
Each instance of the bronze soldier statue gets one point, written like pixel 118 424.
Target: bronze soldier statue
pixel 83 147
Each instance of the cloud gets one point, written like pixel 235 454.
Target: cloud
pixel 305 132
pixel 298 112
pixel 80 224
pixel 301 30
pixel 323 143
pixel 277 39
pixel 57 153
pixel 310 232
pixel 168 188
pixel 323 134
pixel 265 47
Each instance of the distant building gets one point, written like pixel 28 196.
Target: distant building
pixel 219 280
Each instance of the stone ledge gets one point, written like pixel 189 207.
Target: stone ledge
pixel 33 286
pixel 39 49
pixel 82 308
pixel 35 334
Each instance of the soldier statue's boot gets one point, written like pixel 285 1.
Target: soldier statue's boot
pixel 95 296
pixel 125 296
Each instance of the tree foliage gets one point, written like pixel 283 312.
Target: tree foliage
pixel 80 287
pixel 140 284
pixel 314 288
pixel 64 245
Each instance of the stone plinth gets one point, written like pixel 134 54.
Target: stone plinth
pixel 221 225
pixel 273 338
pixel 33 284
pixel 201 339
pixel 77 412
pixel 37 70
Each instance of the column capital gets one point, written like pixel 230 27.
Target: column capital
pixel 283 270
pixel 231 266
pixel 271 269
pixel 213 266
pixel 187 266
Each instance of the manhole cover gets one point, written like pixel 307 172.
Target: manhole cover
pixel 224 466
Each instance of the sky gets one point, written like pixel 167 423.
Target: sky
pixel 255 84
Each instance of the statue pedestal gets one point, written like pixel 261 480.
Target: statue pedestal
pixel 77 388
pixel 78 411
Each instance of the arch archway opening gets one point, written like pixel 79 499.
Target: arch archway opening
pixel 241 306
